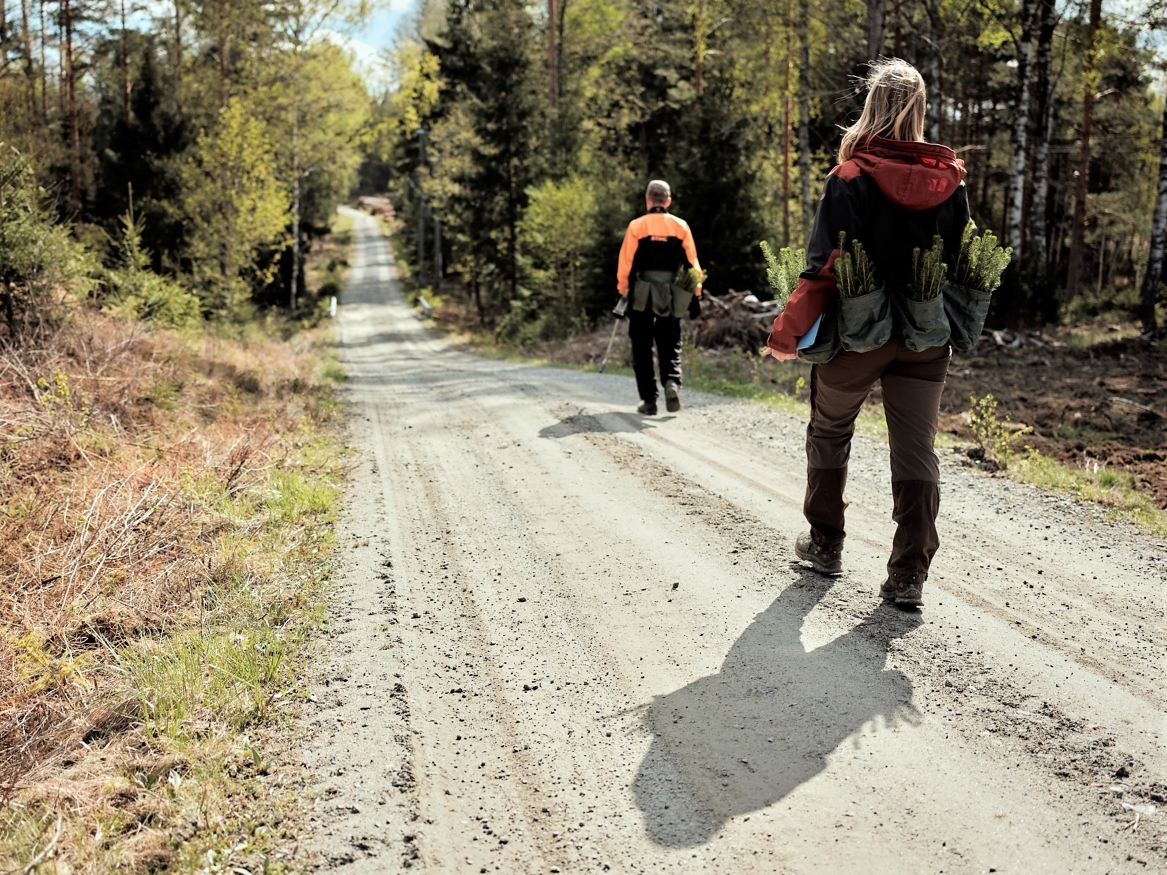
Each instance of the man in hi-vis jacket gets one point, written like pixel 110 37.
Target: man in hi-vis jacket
pixel 656 245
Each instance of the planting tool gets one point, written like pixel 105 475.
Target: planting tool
pixel 619 314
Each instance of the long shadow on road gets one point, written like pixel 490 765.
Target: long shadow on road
pixel 742 739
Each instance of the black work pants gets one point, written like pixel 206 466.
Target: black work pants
pixel 644 329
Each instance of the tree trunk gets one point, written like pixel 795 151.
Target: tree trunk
pixel 552 54
pixel 224 45
pixel 126 85
pixel 1038 225
pixel 439 268
pixel 876 10
pixel 293 291
pixel 1154 275
pixel 1016 198
pixel 1081 175
pixel 700 31
pixel 804 112
pixel 935 73
pixel 26 47
pixel 74 123
pixel 44 73
pixel 787 111
pixel 178 56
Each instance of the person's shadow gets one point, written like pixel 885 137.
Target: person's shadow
pixel 742 739
pixel 600 423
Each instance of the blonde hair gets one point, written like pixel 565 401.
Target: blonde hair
pixel 895 109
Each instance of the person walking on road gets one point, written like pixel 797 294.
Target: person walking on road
pixel 893 193
pixel 657 245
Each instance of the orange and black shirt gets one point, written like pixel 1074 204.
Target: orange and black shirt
pixel 655 241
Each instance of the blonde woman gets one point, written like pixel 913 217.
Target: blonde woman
pixel 892 192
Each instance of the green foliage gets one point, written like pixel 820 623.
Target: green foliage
pixel 981 261
pixel 929 272
pixel 40 264
pixel 782 270
pixel 853 270
pixel 237 208
pixel 991 433
pixel 134 291
pixel 557 233
pixel 689 278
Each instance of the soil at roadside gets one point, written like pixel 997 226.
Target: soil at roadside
pixel 1104 405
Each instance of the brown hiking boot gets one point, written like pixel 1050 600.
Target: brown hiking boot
pixel 906 590
pixel 822 559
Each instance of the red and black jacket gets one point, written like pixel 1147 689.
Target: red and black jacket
pixel 893 196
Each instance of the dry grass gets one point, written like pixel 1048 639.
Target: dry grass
pixel 165 509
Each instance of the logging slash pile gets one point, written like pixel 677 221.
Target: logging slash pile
pixel 735 320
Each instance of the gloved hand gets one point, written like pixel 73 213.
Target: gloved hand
pixel 695 307
pixel 621 307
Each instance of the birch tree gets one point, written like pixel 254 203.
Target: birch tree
pixel 1038 233
pixel 1081 176
pixel 1154 274
pixel 1020 129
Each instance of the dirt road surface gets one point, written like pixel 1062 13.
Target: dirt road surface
pixel 568 638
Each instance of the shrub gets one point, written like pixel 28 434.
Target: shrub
pixel 991 433
pixel 135 292
pixel 41 267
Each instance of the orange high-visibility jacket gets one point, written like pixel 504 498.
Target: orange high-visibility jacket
pixel 655 241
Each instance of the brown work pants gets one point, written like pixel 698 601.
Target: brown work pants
pixel 912 383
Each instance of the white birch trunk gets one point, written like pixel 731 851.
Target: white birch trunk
pixel 1016 202
pixel 1154 275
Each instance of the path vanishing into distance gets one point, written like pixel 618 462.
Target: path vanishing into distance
pixel 568 638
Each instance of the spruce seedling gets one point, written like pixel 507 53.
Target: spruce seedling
pixel 980 261
pixel 782 270
pixel 929 272
pixel 688 278
pixel 854 271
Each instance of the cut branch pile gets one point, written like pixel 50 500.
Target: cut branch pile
pixel 380 207
pixel 734 320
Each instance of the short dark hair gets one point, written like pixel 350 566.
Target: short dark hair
pixel 658 191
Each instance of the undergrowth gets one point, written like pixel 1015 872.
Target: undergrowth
pixel 166 510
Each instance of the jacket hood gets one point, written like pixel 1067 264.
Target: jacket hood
pixel 917 176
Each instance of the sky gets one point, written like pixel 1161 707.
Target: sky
pixel 377 34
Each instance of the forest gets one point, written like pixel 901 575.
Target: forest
pixel 515 141
pixel 518 140
pixel 213 139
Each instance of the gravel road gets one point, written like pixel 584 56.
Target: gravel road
pixel 567 638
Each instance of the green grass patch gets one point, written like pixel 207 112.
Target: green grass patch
pixel 1116 490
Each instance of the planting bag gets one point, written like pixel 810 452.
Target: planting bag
pixel 966 309
pixel 658 289
pixel 922 324
pixel 865 323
